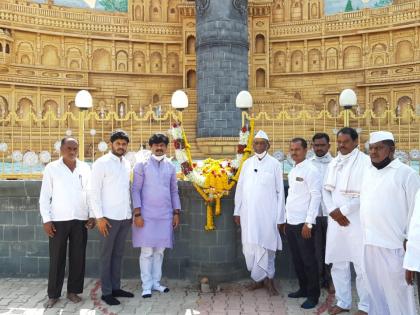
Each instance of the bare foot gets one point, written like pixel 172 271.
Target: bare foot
pixel 256 285
pixel 271 287
pixel 50 303
pixel 74 297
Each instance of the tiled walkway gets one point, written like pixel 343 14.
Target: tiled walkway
pixel 26 296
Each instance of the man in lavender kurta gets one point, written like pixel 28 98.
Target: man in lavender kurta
pixel 156 212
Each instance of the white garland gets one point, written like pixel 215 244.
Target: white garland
pixel 17 156
pixel 44 157
pixel 30 158
pixel 102 146
pixel 57 146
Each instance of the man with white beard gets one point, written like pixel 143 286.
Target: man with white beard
pixel 342 184
pixel 259 210
pixel 386 203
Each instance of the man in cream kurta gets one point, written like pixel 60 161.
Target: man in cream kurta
pixel 259 209
pixel 386 204
pixel 341 193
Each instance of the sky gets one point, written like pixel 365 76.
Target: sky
pixel 331 6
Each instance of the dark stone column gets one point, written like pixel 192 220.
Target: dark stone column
pixel 222 65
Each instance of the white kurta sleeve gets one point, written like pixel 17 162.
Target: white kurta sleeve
pixel 239 192
pixel 412 255
pixel 327 196
pixel 95 191
pixel 46 195
pixel 351 206
pixel 88 189
pixel 314 187
pixel 412 186
pixel 281 209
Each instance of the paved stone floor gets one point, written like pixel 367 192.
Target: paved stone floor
pixel 26 296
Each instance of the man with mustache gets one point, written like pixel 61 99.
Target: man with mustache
pixel 66 216
pixel 302 206
pixel 157 207
pixel 321 159
pixel 110 198
pixel 341 195
pixel 387 201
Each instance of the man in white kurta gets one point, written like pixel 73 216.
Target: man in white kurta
pixel 412 255
pixel 259 209
pixel 341 193
pixel 386 203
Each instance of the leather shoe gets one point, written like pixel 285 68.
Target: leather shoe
pixel 308 304
pixel 297 294
pixel 122 293
pixel 110 300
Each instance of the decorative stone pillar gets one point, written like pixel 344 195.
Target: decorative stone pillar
pixel 222 65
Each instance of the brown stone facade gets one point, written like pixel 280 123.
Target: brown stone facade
pixel 134 60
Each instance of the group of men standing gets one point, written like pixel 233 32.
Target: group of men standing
pixel 353 208
pixel 75 198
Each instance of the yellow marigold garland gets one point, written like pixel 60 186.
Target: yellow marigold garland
pixel 215 178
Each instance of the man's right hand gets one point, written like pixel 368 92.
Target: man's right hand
pixel 49 229
pixel 340 218
pixel 103 226
pixel 139 221
pixel 237 219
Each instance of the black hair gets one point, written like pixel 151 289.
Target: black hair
pixel 119 134
pixel 349 131
pixel 321 135
pixel 158 138
pixel 389 143
pixel 64 140
pixel 302 142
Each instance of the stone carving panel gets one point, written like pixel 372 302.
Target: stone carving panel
pixel 202 6
pixel 240 6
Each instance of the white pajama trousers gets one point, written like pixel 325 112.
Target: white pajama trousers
pixel 341 275
pixel 389 294
pixel 259 261
pixel 151 259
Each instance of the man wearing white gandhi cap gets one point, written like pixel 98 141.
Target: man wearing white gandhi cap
pixel 386 205
pixel 259 210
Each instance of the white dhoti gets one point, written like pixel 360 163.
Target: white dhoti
pixel 389 294
pixel 259 261
pixel 341 275
pixel 151 259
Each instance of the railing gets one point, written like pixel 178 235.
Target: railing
pixel 282 126
pixel 28 141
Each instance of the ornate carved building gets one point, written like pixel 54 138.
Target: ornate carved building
pixel 130 60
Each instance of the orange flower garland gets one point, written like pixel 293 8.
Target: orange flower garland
pixel 215 178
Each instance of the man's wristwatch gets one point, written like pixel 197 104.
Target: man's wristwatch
pixel 177 212
pixel 136 215
pixel 309 225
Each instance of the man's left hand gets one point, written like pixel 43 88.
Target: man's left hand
pixel 90 224
pixel 306 232
pixel 175 221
